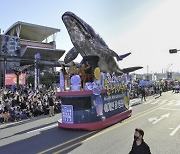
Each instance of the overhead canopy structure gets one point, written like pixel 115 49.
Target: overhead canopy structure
pixel 45 53
pixel 30 31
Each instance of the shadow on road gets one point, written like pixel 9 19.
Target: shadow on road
pixel 157 97
pixel 49 141
pixel 24 121
pixel 28 130
pixel 136 103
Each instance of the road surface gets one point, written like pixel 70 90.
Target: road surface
pixel 159 117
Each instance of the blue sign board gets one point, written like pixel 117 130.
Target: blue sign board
pixel 67 114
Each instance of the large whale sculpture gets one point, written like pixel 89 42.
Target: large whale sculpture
pixel 88 43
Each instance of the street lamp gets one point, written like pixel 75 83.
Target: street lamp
pixel 173 51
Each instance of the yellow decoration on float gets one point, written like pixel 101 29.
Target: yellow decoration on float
pixel 126 100
pixel 97 73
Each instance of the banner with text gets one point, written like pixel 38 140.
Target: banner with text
pixel 11 79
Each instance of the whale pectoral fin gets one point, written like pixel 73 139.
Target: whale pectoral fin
pixel 71 55
pixel 121 57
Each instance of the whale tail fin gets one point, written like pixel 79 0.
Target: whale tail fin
pixel 131 69
pixel 121 57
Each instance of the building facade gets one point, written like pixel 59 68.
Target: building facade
pixel 22 41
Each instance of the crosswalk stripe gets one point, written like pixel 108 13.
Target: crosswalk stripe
pixel 147 102
pixel 177 103
pixel 163 102
pixel 155 102
pixel 171 102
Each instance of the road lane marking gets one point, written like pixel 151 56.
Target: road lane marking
pixel 175 130
pixel 149 101
pixel 147 110
pixel 163 102
pixel 156 120
pixel 163 108
pixel 104 131
pixel 155 102
pixel 171 102
pixel 59 145
pixel 177 103
pixel 66 148
pixel 43 128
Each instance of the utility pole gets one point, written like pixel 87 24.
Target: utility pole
pixel 147 72
pixel 4 73
pixel 36 72
pixel 168 72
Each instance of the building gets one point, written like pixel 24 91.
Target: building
pixel 22 41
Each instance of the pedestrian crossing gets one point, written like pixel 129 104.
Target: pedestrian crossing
pixel 158 101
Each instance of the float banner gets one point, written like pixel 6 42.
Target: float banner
pixel 109 106
pixel 67 114
pixel 10 79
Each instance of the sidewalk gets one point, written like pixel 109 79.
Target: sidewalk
pixel 10 123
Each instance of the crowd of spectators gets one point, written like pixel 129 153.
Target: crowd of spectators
pixel 26 103
pixel 136 90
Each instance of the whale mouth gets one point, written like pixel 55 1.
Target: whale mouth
pixel 74 23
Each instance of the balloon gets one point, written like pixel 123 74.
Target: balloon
pixel 75 87
pixel 75 80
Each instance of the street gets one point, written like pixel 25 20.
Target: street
pixel 157 116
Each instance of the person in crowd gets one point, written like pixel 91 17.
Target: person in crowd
pixel 143 94
pixel 82 73
pixel 160 90
pixel 72 69
pixel 51 105
pixel 12 114
pixel 1 117
pixel 66 80
pixel 63 69
pixel 6 116
pixel 139 145
pixel 19 105
pixel 57 105
pixel 88 72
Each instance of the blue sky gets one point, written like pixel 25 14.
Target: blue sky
pixel 147 28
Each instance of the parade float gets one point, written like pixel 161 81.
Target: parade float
pixel 100 103
pixel 104 99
